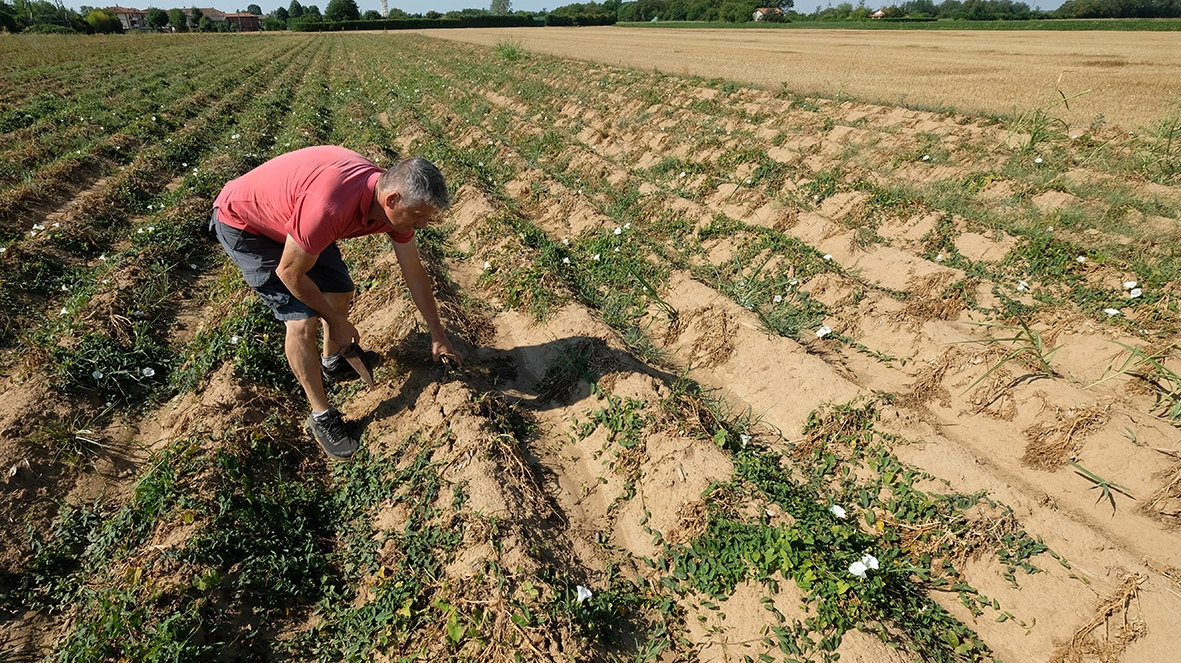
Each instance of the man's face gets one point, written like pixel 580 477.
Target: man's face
pixel 402 216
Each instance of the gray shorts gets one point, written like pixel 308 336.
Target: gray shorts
pixel 258 258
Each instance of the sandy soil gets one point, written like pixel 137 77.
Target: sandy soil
pixel 1132 79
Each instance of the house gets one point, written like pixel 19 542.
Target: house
pixel 881 13
pixel 244 22
pixel 132 19
pixel 768 14
pixel 212 14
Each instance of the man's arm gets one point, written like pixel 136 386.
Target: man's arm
pixel 293 272
pixel 419 283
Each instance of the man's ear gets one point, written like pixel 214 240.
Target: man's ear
pixel 391 198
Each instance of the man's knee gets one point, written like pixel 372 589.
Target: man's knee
pixel 303 330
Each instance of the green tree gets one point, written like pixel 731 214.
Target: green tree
pixel 295 10
pixel 371 15
pixel 8 20
pixel 273 24
pixel 178 20
pixel 102 22
pixel 254 9
pixel 195 18
pixel 737 11
pixel 281 14
pixel 501 7
pixel 342 10
pixel 157 18
pixel 312 13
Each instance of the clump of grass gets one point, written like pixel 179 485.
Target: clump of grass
pixel 511 50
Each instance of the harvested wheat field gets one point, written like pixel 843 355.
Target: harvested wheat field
pixel 1128 79
pixel 751 374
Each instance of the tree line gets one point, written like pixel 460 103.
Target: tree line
pixel 46 16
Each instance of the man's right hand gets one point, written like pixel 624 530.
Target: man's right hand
pixel 342 332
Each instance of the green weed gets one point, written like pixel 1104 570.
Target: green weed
pixel 1029 345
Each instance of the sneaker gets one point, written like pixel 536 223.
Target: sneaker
pixel 332 436
pixel 338 369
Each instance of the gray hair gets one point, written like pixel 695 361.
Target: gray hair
pixel 418 180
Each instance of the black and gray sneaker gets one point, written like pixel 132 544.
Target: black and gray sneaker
pixel 337 369
pixel 330 432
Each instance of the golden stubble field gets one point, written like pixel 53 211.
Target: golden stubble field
pixel 1132 79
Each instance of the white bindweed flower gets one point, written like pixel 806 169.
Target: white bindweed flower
pixel 148 371
pixel 618 230
pixel 1128 285
pixel 1136 292
pixel 939 258
pixel 823 331
pixel 926 157
pixel 837 511
pixel 1022 286
pixel 627 226
pixel 3 249
pixel 584 594
pixel 566 242
pixel 193 266
pixel 235 137
pixel 617 249
pixel 596 257
pixel 682 173
pixel 777 299
pixel 1111 311
pixel 103 257
pixel 793 282
pixel 745 439
pixel 97 375
pixel 565 261
pixel 1037 160
pixel 64 311
pixel 234 339
pixel 1080 259
pixel 870 561
pixel 65 288
pixel 858 569
pixel 487 265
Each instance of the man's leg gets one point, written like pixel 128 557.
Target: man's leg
pixel 304 359
pixel 340 302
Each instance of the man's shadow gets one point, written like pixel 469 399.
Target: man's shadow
pixel 535 377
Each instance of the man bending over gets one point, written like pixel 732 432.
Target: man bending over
pixel 280 223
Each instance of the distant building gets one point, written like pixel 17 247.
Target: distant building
pixel 244 21
pixel 212 14
pixel 767 14
pixel 881 13
pixel 132 19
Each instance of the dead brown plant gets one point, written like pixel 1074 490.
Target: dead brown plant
pixel 928 382
pixel 1051 444
pixel 1107 647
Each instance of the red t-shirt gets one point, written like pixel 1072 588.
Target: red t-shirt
pixel 316 195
